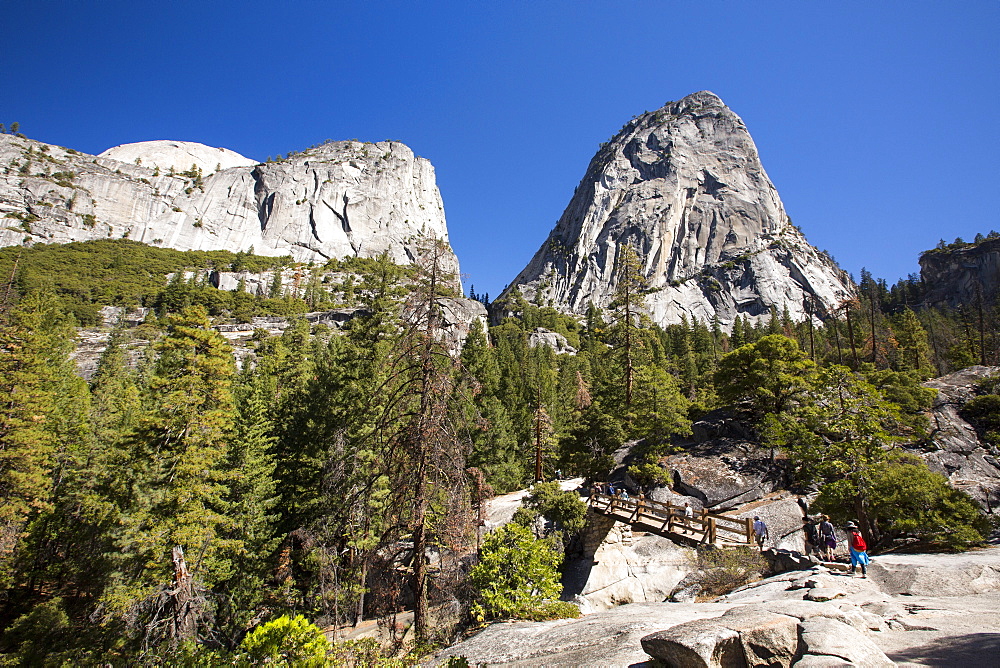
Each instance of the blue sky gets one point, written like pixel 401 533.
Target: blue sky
pixel 877 122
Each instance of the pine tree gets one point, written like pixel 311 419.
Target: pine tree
pixel 29 418
pixel 177 502
pixel 627 302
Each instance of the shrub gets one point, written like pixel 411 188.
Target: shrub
pixel 565 510
pixel 721 571
pixel 904 498
pixel 517 577
pixel 293 641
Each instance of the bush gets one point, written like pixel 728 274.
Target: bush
pixel 565 510
pixel 292 641
pixel 722 570
pixel 983 412
pixel 517 577
pixel 906 499
pixel 36 637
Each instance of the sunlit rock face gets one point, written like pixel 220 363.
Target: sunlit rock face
pixel 685 187
pixel 177 155
pixel 337 200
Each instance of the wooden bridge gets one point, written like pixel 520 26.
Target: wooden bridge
pixel 668 520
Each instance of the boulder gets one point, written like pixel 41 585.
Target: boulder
pixel 720 481
pixel 698 644
pixel 742 636
pixel 767 638
pixel 821 594
pixel 825 637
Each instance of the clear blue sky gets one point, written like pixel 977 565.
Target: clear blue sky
pixel 878 122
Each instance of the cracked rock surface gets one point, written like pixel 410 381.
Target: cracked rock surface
pixel 685 187
pixel 337 200
pixel 770 622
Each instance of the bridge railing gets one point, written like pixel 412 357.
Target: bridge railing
pixel 669 517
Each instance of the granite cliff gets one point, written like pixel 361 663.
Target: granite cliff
pixel 963 276
pixel 685 187
pixel 336 200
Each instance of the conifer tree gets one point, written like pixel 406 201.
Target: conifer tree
pixel 176 506
pixel 29 417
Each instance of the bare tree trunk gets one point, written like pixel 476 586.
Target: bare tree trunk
pixel 850 334
pixel 184 622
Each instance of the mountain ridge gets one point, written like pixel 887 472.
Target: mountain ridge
pixel 336 200
pixel 685 187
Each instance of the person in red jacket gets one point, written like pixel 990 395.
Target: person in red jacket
pixel 858 548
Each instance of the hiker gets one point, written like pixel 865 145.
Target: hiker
pixel 624 495
pixel 760 532
pixel 811 536
pixel 688 516
pixel 828 538
pixel 858 548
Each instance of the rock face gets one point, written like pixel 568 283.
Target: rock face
pixel 962 277
pixel 625 568
pixel 772 622
pixel 177 155
pixel 337 200
pixel 970 464
pixel 684 186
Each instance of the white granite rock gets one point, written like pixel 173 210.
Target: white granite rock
pixel 337 200
pixel 684 186
pixel 177 155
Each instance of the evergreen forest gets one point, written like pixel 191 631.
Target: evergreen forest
pixel 179 509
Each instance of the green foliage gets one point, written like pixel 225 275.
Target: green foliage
pixel 515 577
pixel 840 432
pixel 769 376
pixel 564 509
pixel 286 641
pixel 906 499
pixel 40 637
pixel 983 412
pixel 35 416
pixel 120 272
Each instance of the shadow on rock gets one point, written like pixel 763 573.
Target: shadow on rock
pixel 975 649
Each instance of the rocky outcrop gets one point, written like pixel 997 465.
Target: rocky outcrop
pixel 802 618
pixel 554 340
pixel 625 567
pixel 957 452
pixel 457 317
pixel 684 186
pixel 723 473
pixel 963 276
pixel 337 200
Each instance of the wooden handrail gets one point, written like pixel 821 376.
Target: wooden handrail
pixel 668 515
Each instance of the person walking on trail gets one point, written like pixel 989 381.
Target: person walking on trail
pixel 828 538
pixel 760 532
pixel 687 514
pixel 858 549
pixel 811 536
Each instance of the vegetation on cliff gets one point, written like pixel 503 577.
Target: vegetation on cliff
pixel 170 508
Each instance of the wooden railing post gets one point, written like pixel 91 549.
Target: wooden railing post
pixel 749 530
pixel 711 530
pixel 640 507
